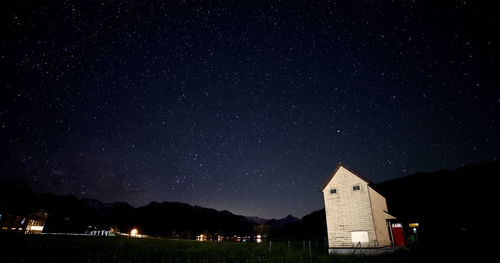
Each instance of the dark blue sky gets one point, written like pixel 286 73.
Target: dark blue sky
pixel 246 106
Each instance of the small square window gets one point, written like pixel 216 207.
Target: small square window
pixel 356 188
pixel 333 191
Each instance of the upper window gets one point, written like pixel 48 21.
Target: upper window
pixel 333 191
pixel 356 188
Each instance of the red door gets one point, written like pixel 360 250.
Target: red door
pixel 399 237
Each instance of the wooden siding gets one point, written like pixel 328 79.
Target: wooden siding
pixel 379 209
pixel 347 210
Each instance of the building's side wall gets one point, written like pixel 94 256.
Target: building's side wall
pixel 348 210
pixel 379 205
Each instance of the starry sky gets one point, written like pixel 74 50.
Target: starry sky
pixel 246 106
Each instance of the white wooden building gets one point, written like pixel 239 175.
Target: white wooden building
pixel 356 215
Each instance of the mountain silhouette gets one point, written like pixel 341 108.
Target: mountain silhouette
pixel 67 214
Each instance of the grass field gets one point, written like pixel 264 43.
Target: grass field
pixel 49 248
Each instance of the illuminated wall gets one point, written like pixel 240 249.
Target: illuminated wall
pixel 354 212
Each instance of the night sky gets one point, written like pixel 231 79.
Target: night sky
pixel 246 106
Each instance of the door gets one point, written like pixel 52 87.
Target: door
pixel 398 235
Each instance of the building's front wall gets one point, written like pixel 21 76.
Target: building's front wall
pixel 380 217
pixel 348 211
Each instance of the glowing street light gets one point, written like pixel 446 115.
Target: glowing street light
pixel 133 232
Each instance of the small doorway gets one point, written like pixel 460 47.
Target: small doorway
pixel 398 235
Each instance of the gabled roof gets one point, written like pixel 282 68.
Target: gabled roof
pixel 347 168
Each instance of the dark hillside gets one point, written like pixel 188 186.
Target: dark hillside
pixel 450 206
pixel 71 215
pixel 310 227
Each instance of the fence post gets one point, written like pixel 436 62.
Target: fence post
pixel 288 246
pixel 304 244
pixel 270 246
pixel 309 248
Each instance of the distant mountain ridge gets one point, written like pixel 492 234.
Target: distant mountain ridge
pixel 106 209
pixel 169 219
pixel 310 227
pixel 277 223
pixel 256 219
pixel 273 223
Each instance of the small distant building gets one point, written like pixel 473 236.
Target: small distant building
pixel 36 222
pixel 32 223
pixel 356 214
pixel 201 237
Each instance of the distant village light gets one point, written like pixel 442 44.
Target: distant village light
pixel 133 232
pixel 36 228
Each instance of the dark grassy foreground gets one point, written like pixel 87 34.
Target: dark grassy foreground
pixel 48 248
